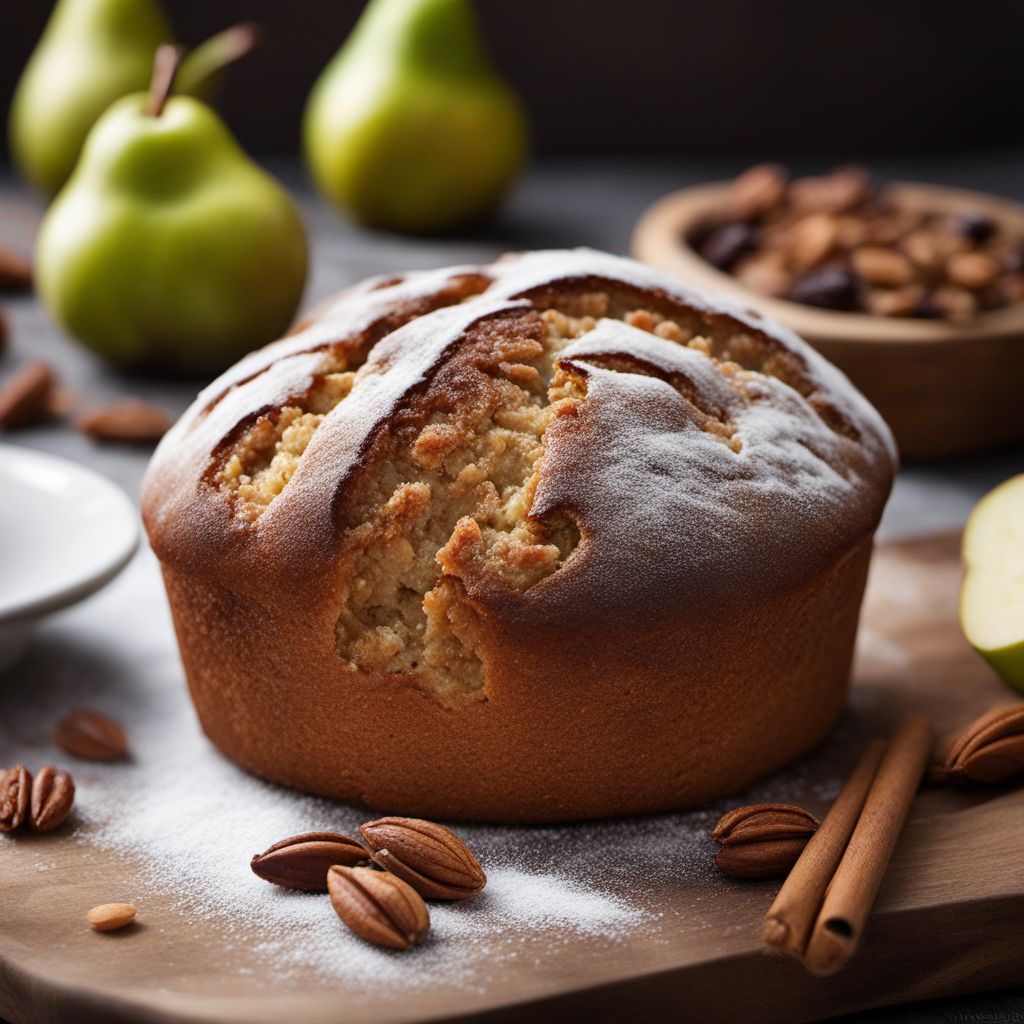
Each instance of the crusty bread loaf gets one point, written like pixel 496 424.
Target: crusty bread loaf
pixel 551 538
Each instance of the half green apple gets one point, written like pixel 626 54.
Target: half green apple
pixel 992 595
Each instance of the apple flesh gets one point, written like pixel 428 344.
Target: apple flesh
pixel 992 595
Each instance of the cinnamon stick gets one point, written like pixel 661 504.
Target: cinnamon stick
pixel 788 923
pixel 851 893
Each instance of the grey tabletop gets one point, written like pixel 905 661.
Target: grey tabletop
pixel 590 202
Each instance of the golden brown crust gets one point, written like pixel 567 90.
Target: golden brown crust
pixel 631 526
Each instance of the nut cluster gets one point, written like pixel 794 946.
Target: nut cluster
pixel 837 242
pixel 42 803
pixel 417 860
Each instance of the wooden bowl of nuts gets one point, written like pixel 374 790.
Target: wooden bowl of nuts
pixel 915 291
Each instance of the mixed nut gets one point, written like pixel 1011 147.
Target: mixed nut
pixel 418 860
pixel 839 242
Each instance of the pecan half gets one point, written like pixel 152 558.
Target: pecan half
pixel 131 421
pixel 989 750
pixel 15 793
pixel 25 396
pixel 15 271
pixel 378 907
pixel 433 860
pixel 91 736
pixel 53 795
pixel 763 840
pixel 302 862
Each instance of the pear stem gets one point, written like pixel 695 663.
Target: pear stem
pixel 165 67
pixel 209 58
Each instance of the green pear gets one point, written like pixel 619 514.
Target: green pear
pixel 992 595
pixel 91 53
pixel 169 247
pixel 410 127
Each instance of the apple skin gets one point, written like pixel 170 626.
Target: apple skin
pixel 409 128
pixel 995 518
pixel 169 248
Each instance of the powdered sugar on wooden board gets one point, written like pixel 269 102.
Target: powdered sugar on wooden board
pixel 191 820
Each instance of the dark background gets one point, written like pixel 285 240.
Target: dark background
pixel 759 78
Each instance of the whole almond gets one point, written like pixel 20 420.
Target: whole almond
pixel 433 860
pixel 302 862
pixel 53 796
pixel 972 270
pixel 762 840
pixel 756 191
pixel 109 917
pixel 989 750
pixel 15 796
pixel 91 736
pixel 24 397
pixel 378 907
pixel 812 239
pixel 131 421
pixel 883 266
pixel 15 271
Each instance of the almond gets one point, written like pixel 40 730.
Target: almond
pixel 132 421
pixel 378 907
pixel 762 840
pixel 812 239
pixel 53 795
pixel 756 191
pixel 974 270
pixel 433 860
pixel 15 795
pixel 989 750
pixel 883 266
pixel 24 397
pixel 109 917
pixel 302 862
pixel 91 736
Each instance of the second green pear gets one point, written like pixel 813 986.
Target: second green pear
pixel 410 127
pixel 169 247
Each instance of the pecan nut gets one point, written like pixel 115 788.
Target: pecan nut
pixel 24 398
pixel 433 860
pixel 131 421
pixel 15 794
pixel 53 796
pixel 989 750
pixel 763 840
pixel 302 861
pixel 377 906
pixel 15 271
pixel 91 736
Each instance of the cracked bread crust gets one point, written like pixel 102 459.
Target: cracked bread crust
pixel 575 540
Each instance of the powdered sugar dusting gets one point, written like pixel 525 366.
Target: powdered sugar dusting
pixel 202 819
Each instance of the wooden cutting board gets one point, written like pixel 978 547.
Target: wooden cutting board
pixel 947 920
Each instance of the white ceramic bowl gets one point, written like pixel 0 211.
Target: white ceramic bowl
pixel 65 531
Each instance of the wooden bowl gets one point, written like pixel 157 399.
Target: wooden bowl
pixel 943 388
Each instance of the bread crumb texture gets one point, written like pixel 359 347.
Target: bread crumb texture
pixel 450 486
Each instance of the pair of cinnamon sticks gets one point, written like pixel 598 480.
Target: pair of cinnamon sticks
pixel 821 910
